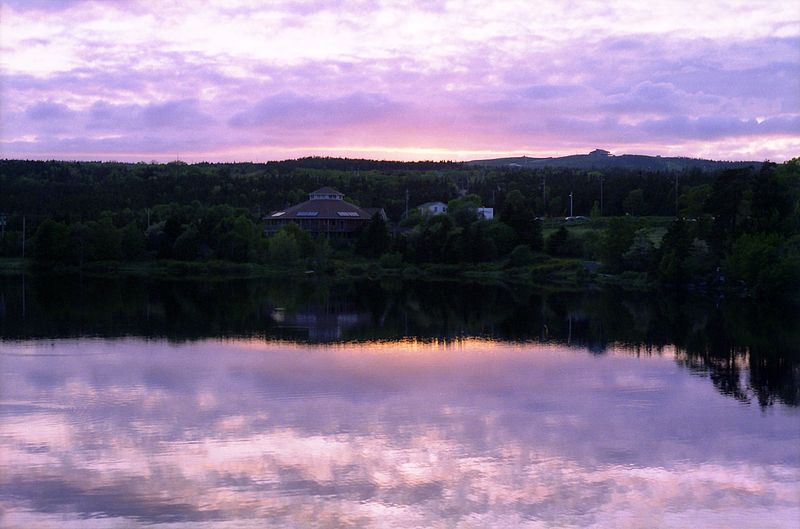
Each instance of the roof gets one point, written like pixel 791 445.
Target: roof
pixel 322 209
pixel 376 211
pixel 326 191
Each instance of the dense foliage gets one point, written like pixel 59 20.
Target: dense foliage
pixel 735 228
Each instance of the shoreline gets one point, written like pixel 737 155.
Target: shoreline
pixel 557 273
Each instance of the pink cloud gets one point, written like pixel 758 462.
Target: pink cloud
pixel 96 79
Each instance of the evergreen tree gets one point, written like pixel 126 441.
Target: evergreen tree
pixel 518 214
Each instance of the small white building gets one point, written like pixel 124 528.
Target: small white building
pixel 433 208
pixel 486 213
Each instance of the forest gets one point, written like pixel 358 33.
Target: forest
pixel 731 229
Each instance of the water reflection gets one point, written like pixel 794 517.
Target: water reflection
pixel 747 351
pixel 464 433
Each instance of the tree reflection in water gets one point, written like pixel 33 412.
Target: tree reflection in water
pixel 748 351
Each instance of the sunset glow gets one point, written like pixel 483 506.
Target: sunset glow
pixel 235 80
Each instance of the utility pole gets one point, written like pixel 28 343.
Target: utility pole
pixel 570 203
pixel 544 190
pixel 676 194
pixel 601 195
pixel 23 236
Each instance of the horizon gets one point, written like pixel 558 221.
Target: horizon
pixel 378 160
pixel 136 81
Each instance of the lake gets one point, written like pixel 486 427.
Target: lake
pixel 245 403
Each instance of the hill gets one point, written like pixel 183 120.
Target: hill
pixel 602 159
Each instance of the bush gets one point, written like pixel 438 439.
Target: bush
pixel 766 264
pixel 283 247
pixel 391 260
pixel 521 255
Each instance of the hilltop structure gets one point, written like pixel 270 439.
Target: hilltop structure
pixel 325 212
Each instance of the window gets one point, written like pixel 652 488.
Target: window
pixel 278 214
pixel 347 213
pixel 307 213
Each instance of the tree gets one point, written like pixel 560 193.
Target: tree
pixel 80 243
pixel 693 200
pixel 503 236
pixel 105 240
pixel 634 203
pixel 728 205
pixel 766 264
pixel 374 240
pixel 772 204
pixel 674 253
pixel 518 214
pixel 237 239
pixel 283 247
pixel 51 242
pixel 322 252
pixel 615 241
pixel 187 245
pixel 700 261
pixel 170 231
pixel 641 253
pixel 433 240
pixel 304 240
pixel 464 210
pixel 133 241
pixel 476 244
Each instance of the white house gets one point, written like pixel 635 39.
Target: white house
pixel 433 208
pixel 486 213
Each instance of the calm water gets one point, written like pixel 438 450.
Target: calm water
pixel 250 404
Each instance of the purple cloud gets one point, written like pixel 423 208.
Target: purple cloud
pixel 370 75
pixel 41 5
pixel 47 111
pixel 292 109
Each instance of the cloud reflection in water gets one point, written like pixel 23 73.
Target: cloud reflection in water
pixel 468 434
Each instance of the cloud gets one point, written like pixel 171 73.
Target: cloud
pixel 447 76
pixel 47 111
pixel 553 91
pixel 310 111
pixel 713 127
pixel 41 5
pixel 391 434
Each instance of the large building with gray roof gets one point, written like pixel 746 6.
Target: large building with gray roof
pixel 325 212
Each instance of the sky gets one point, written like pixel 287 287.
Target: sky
pixel 245 80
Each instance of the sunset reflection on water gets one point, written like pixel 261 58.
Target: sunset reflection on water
pixel 410 433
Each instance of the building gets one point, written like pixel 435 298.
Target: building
pixel 437 208
pixel 325 212
pixel 433 208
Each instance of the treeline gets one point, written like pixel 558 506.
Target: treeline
pixel 85 190
pixel 743 233
pixel 735 229
pixel 190 232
